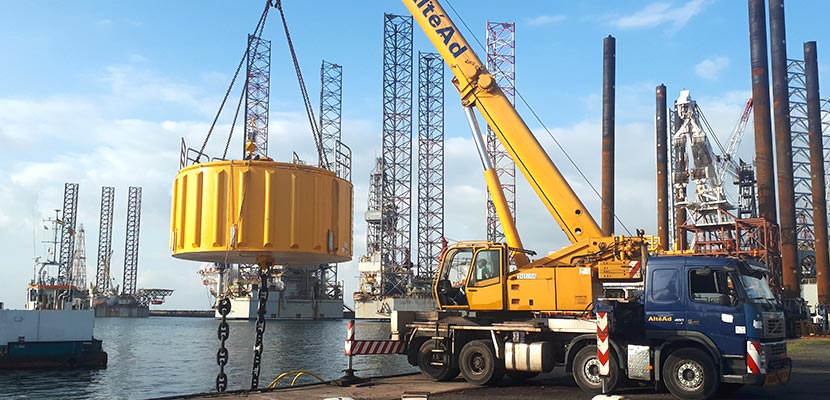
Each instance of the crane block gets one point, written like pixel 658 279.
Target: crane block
pixel 243 211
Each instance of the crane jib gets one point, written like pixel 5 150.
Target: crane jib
pixel 446 32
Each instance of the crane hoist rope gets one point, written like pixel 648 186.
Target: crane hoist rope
pixel 257 31
pixel 315 130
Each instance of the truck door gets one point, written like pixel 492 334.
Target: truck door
pixel 713 310
pixel 484 290
pixel 664 301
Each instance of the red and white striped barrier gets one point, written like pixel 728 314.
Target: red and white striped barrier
pixel 354 347
pixel 363 347
pixel 602 344
pixel 754 364
pixel 634 270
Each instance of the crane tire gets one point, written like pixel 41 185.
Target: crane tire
pixel 437 373
pixel 478 363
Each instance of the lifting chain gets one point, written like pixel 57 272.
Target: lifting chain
pixel 224 308
pixel 260 324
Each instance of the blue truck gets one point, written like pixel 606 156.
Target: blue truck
pixel 697 326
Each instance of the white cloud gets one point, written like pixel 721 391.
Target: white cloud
pixel 711 68
pixel 660 13
pixel 546 20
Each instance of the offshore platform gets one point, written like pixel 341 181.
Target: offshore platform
pixel 295 290
pixel 391 279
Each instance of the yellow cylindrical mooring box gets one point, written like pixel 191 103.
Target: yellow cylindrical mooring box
pixel 240 211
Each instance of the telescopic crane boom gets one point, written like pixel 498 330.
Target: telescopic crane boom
pixel 572 272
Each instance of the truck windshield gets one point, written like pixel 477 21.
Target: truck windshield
pixel 757 287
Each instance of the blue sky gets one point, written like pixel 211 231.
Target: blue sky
pixel 100 93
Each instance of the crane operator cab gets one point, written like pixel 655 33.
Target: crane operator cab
pixel 472 273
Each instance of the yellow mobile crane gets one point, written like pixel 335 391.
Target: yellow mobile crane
pixel 476 288
pixel 693 324
pixel 564 281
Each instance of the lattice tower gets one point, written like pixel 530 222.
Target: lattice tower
pixel 102 275
pixel 397 154
pixel 131 244
pixel 331 107
pixel 501 62
pixel 70 215
pixel 430 163
pixel 79 260
pixel 801 154
pixel 257 87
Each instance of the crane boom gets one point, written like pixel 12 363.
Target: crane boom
pixel 728 164
pixel 567 280
pixel 478 88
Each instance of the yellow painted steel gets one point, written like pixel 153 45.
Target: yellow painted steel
pixel 478 88
pixel 566 280
pixel 250 211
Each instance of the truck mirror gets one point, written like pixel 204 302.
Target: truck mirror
pixel 703 271
pixel 724 300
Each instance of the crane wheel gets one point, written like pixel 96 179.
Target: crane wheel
pixel 586 371
pixel 427 360
pixel 691 374
pixel 479 364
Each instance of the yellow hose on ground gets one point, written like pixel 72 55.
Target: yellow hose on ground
pixel 298 373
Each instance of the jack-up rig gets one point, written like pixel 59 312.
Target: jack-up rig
pixel 297 290
pixel 129 301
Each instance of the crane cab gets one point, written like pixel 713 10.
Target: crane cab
pixel 472 273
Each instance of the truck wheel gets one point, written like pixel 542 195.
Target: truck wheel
pixel 479 364
pixel 586 371
pixel 436 372
pixel 690 374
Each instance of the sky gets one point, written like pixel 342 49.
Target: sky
pixel 101 93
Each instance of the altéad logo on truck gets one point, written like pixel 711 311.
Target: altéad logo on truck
pixel 446 32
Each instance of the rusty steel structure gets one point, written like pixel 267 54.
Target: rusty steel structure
pixel 755 238
pixel 783 148
pixel 765 173
pixel 662 136
pixel 822 267
pixel 609 54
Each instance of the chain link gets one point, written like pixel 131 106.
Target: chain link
pixel 224 308
pixel 260 326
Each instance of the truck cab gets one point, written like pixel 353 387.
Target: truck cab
pixel 701 322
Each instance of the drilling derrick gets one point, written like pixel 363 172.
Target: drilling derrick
pixel 79 260
pixel 131 243
pixel 501 62
pixel 67 244
pixel 396 261
pixel 430 169
pixel 102 275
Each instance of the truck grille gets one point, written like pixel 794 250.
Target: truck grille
pixel 774 327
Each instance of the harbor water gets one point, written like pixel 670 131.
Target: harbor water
pixel 165 356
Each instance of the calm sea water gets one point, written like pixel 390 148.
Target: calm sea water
pixel 154 357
